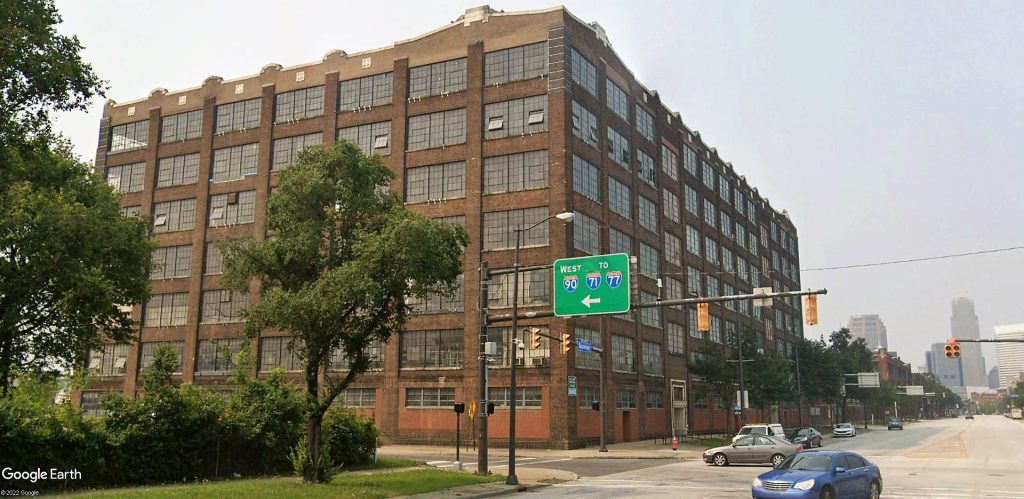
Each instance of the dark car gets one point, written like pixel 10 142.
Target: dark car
pixel 969 416
pixel 820 473
pixel 808 437
pixel 895 424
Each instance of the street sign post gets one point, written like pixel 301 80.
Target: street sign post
pixel 592 285
pixel 572 386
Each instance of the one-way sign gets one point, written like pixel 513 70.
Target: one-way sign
pixel 583 345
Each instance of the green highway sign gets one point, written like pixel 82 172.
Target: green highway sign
pixel 592 285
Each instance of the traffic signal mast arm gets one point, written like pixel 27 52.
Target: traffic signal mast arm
pixel 1005 340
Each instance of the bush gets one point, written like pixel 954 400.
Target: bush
pixel 265 421
pixel 351 439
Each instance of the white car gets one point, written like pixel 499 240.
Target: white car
pixel 770 429
pixel 844 430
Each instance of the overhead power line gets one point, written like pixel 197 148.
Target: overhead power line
pixel 912 260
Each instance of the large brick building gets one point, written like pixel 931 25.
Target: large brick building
pixel 496 120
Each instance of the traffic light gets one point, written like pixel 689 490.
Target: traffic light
pixel 703 321
pixel 812 310
pixel 566 343
pixel 595 406
pixel 534 338
pixel 952 348
pixel 490 408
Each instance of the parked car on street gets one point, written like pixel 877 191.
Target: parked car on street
pixel 770 429
pixel 895 424
pixel 844 430
pixel 752 449
pixel 808 437
pixel 969 416
pixel 821 474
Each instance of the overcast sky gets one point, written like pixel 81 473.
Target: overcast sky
pixel 888 130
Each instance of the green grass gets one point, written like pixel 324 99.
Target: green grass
pixel 371 486
pixel 383 463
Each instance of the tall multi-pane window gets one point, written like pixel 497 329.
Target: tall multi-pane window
pixel 620 242
pixel 693 240
pixel 178 170
pixel 693 280
pixel 623 354
pixel 716 329
pixel 440 129
pixel 647 213
pixel 710 250
pixel 171 261
pixel 182 126
pixel 374 351
pixel 439 348
pixel 670 205
pixel 499 228
pixel 516 172
pixel 299 104
pixel 233 163
pixel 689 160
pixel 438 78
pixel 241 115
pixel 586 234
pixel 149 350
pixel 516 63
pixel 276 354
pixel 618 101
pixel 676 336
pixel 626 399
pixel 109 359
pixel 516 117
pixel 738 200
pixel 709 175
pixel 582 72
pixel 286 150
pixel 232 208
pixel 653 365
pixel 371 138
pixel 669 162
pixel 588 360
pixel 586 179
pixel 129 136
pixel 713 285
pixel 725 223
pixel 165 310
pixel 620 198
pixel 691 321
pixel 529 357
pixel 218 356
pixel 650 316
pixel 692 200
pixel 724 189
pixel 172 216
pixel 437 303
pixel 727 260
pixel 673 249
pixel 584 124
pixel 213 261
pixel 435 182
pixel 654 400
pixel 133 211
pixel 649 260
pixel 365 92
pixel 674 290
pixel 430 397
pixel 222 306
pixel 644 123
pixel 127 178
pixel 534 290
pixel 709 213
pixel 618 148
pixel 646 169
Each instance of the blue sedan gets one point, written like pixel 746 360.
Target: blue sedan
pixel 821 474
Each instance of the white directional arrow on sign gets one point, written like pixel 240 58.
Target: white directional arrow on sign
pixel 588 300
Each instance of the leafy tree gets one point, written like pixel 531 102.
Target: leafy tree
pixel 344 257
pixel 767 377
pixel 713 375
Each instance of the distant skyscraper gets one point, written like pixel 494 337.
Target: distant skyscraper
pixel 1010 355
pixel 964 325
pixel 870 328
pixel 947 371
pixel 993 377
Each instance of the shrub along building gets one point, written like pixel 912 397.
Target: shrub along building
pixel 495 121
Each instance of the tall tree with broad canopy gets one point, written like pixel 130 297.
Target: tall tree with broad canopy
pixel 712 375
pixel 344 255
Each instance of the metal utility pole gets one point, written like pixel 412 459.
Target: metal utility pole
pixel 481 456
pixel 600 390
pixel 511 479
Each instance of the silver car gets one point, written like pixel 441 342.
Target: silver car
pixel 752 449
pixel 844 430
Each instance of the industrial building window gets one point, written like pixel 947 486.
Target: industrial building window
pixel 650 316
pixel 588 360
pixel 620 198
pixel 670 205
pixel 709 175
pixel 299 104
pixel 232 163
pixel 647 213
pixel 181 126
pixel 274 353
pixel 626 399
pixel 741 234
pixel 727 260
pixel 453 219
pixel 588 396
pixel 374 351
pixel 499 228
pixel 618 148
pixel 710 213
pixel 534 290
pixel 583 71
pixel 365 92
pixel 712 284
pixel 652 359
pixel 586 234
pixel 516 117
pixel 441 129
pixel 438 78
pixel 649 260
pixel 584 124
pixel 646 169
pixel 689 160
pixel 432 349
pixel 669 162
pixel 178 170
pixel 371 138
pixel 738 200
pixel 752 243
pixel 164 310
pixel 623 354
pixel 693 240
pixel 654 400
pixel 710 250
pixel 725 223
pixel 430 397
pixel 692 200
pixel 223 306
pixel 527 357
pixel 171 216
pixel 286 150
pixel 716 329
pixel 133 211
pixel 435 182
pixel 724 188
pixel 586 179
pixel 673 247
pixel 516 63
pixel 241 115
pixel 232 208
pixel 691 316
pixel 437 303
pixel 149 349
pixel 108 360
pixel 751 211
pixel 693 280
pixel 676 336
pixel 644 123
pixel 129 136
pixel 700 401
pixel 172 261
pixel 357 397
pixel 618 101
pixel 674 290
pixel 213 260
pixel 516 172
pixel 127 178
pixel 92 404
pixel 525 396
pixel 620 242
pixel 218 356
